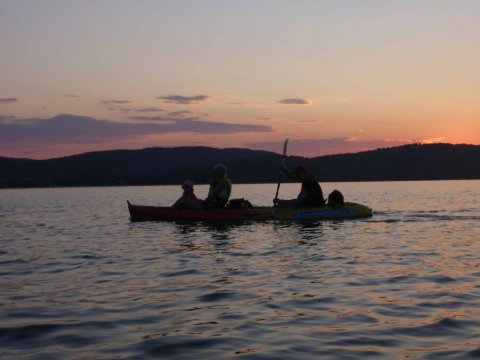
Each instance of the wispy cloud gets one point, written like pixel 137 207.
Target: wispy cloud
pixel 6 118
pixel 184 100
pixel 9 100
pixel 70 96
pixel 115 102
pixel 294 101
pixel 157 118
pixel 118 105
pixel 180 113
pixel 149 109
pixel 317 147
pixel 434 140
pixel 120 109
pixel 172 116
pixel 309 122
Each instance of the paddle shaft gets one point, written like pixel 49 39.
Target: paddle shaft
pixel 283 166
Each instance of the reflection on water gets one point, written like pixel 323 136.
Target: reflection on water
pixel 79 280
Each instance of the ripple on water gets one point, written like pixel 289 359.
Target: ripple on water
pixel 442 327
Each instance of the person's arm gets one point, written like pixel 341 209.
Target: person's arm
pixel 211 190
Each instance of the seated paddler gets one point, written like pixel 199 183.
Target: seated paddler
pixel 310 193
pixel 220 188
pixel 188 199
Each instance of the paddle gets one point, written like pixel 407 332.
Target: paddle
pixel 281 170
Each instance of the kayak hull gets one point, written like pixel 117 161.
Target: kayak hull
pixel 165 213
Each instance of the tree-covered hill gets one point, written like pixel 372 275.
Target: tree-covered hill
pixel 173 165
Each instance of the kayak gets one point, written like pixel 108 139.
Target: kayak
pixel 349 210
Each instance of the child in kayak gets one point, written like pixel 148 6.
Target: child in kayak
pixel 188 198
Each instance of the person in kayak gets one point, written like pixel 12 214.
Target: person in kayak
pixel 188 198
pixel 220 188
pixel 310 194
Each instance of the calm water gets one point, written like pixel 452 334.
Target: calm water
pixel 78 280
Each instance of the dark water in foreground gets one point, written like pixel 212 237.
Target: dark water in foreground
pixel 79 281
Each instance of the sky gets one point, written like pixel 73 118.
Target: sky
pixel 333 76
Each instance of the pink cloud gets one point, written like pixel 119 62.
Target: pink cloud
pixel 9 100
pixel 294 101
pixel 180 113
pixel 149 109
pixel 433 140
pixel 70 96
pixel 120 109
pixel 184 100
pixel 115 102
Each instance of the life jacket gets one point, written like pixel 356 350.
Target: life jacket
pixel 217 199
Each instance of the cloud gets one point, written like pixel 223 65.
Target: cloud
pixel 309 122
pixel 317 147
pixel 434 140
pixel 149 109
pixel 180 113
pixel 71 129
pixel 6 118
pixel 184 100
pixel 9 100
pixel 70 96
pixel 294 101
pixel 118 105
pixel 126 109
pixel 171 117
pixel 115 102
pixel 120 108
pixel 151 118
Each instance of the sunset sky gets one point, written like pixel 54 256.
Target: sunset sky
pixel 334 76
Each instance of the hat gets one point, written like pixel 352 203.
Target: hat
pixel 300 169
pixel 187 184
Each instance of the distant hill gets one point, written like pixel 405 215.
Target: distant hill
pixel 408 162
pixel 173 165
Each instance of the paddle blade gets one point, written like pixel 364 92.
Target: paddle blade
pixel 285 147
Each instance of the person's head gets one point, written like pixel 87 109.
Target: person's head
pixel 219 171
pixel 300 172
pixel 187 185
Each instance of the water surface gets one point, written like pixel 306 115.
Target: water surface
pixel 80 281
